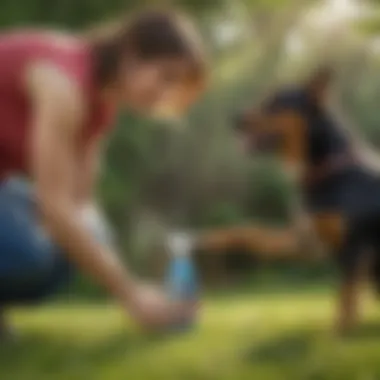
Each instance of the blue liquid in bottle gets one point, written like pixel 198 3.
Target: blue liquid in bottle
pixel 182 280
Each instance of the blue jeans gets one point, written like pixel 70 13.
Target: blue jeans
pixel 32 266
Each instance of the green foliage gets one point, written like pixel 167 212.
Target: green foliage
pixel 269 191
pixel 370 26
pixel 221 214
pixel 79 13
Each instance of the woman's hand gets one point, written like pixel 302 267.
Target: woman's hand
pixel 152 309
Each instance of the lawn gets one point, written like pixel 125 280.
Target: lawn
pixel 240 337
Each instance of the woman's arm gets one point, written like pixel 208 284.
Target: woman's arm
pixel 87 171
pixel 58 114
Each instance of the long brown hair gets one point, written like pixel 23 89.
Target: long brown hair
pixel 148 35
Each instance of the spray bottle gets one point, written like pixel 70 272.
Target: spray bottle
pixel 182 281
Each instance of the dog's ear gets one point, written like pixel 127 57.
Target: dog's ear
pixel 319 83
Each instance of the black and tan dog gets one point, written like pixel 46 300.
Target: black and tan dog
pixel 340 193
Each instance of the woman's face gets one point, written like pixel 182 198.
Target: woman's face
pixel 145 86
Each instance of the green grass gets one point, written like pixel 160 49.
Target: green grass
pixel 240 337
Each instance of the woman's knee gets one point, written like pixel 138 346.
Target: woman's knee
pixel 27 251
pixel 24 255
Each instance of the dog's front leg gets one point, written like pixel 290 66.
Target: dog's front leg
pixel 263 241
pixel 348 305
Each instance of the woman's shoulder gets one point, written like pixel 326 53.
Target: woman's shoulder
pixel 67 51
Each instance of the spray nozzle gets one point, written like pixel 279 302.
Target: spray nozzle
pixel 180 243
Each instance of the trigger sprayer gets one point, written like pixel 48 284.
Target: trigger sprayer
pixel 182 281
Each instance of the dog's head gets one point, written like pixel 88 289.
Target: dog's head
pixel 278 125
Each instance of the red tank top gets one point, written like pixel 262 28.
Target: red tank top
pixel 17 50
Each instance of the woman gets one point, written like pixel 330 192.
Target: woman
pixel 58 96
